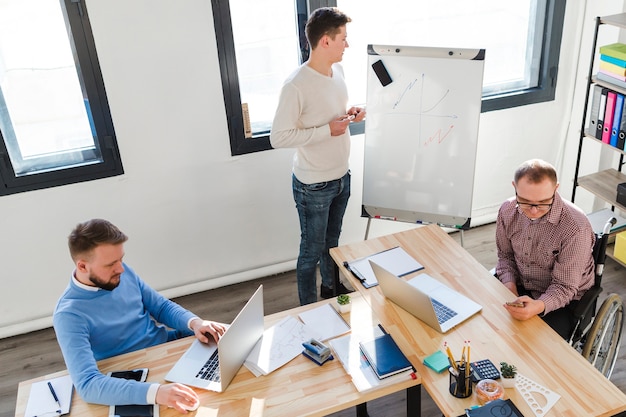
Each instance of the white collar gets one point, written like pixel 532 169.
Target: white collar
pixel 81 285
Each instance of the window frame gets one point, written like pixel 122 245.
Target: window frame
pixel 90 76
pixel 545 90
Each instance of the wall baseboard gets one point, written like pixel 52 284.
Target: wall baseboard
pixel 208 284
pixel 480 217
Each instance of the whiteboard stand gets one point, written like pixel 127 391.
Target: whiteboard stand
pixel 367 229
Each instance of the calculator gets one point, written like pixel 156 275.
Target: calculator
pixel 484 369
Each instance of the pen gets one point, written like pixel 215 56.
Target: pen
pixel 54 394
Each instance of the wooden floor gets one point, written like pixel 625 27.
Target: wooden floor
pixel 37 353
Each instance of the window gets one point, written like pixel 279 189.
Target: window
pixel 55 122
pixel 261 43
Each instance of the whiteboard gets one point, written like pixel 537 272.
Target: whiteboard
pixel 421 133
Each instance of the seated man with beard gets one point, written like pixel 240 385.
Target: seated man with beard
pixel 107 310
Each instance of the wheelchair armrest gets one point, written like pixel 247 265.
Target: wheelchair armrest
pixel 586 302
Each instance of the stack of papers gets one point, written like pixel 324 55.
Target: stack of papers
pixel 348 351
pixel 279 344
pixel 283 341
pixel 395 260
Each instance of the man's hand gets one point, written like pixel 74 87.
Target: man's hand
pixel 178 396
pixel 531 308
pixel 203 328
pixel 339 125
pixel 358 113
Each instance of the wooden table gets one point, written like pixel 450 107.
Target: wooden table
pixel 299 388
pixel 538 352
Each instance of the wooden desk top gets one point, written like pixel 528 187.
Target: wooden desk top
pixel 538 352
pixel 299 388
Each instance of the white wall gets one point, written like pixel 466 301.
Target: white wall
pixel 196 216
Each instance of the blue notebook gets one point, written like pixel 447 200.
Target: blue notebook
pixel 384 356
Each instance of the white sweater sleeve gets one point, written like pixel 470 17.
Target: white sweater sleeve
pixel 287 130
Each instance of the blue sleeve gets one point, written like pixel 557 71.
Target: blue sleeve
pixel 93 386
pixel 163 310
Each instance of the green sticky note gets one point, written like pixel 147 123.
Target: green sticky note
pixel 438 361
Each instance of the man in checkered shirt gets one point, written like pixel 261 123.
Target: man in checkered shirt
pixel 545 249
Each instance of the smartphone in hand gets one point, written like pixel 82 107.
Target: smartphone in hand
pixel 515 303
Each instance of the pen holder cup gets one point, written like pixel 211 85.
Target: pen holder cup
pixel 460 382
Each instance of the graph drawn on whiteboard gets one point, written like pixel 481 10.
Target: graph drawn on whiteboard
pixel 423 108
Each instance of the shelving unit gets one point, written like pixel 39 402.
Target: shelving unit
pixel 602 184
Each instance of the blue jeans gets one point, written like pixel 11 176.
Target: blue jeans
pixel 321 207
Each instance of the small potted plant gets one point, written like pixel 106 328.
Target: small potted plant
pixel 343 301
pixel 508 372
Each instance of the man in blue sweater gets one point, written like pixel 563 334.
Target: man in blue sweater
pixel 107 310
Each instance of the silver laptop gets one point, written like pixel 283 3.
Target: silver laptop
pixel 429 300
pixel 212 366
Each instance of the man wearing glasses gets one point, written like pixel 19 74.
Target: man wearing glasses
pixel 545 249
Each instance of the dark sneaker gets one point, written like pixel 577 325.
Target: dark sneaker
pixel 326 292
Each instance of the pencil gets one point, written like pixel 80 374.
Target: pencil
pixel 450 357
pixel 467 369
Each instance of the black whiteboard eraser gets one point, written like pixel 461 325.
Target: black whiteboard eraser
pixel 382 73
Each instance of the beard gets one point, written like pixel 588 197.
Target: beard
pixel 109 285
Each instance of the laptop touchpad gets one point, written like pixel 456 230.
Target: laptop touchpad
pixel 200 351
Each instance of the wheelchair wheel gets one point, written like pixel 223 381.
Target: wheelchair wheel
pixel 602 341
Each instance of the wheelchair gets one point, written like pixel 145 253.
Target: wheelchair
pixel 597 334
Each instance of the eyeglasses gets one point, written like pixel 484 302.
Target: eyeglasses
pixel 539 207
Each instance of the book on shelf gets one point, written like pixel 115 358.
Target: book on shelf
pixel 603 76
pixel 612 68
pixel 384 356
pixel 608 116
pixel 618 62
pixel 612 75
pixel 617 120
pixel 595 110
pixel 601 110
pixel 615 50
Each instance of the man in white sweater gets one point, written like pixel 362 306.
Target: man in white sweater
pixel 313 117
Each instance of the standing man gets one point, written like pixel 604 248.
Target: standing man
pixel 545 248
pixel 108 310
pixel 312 117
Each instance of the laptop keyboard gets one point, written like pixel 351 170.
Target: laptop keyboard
pixel 211 369
pixel 443 313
